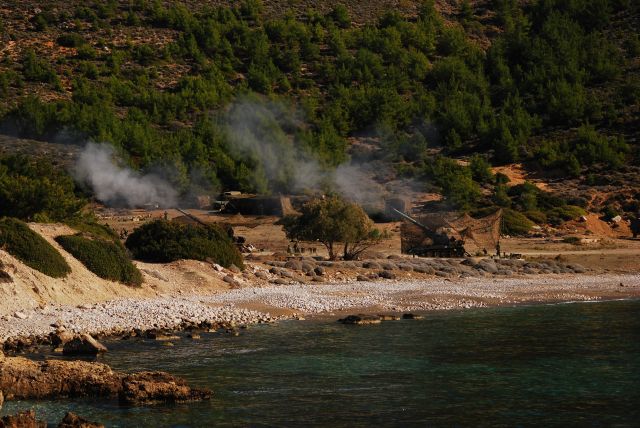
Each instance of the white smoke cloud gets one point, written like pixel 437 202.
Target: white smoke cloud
pixel 261 131
pixel 112 184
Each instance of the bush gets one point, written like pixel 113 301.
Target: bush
pixel 106 259
pixel 31 249
pixel 515 223
pixel 162 241
pixel 560 214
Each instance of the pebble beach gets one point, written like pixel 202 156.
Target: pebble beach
pixel 268 303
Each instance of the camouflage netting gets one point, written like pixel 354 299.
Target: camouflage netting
pixel 477 234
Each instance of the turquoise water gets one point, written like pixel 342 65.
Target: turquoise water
pixel 571 364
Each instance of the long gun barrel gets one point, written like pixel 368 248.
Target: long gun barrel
pixel 412 220
pixel 192 217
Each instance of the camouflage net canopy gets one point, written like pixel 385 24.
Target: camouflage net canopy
pixel 478 235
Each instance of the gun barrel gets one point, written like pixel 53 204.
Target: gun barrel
pixel 411 219
pixel 191 216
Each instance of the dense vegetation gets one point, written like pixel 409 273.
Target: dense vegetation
pixel 418 84
pixel 341 226
pixel 162 241
pixel 32 249
pixel 32 189
pixel 107 259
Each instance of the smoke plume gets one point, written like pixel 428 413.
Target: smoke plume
pixel 113 184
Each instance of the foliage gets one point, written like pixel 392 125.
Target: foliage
pixel 162 241
pixel 107 259
pixel 30 248
pixel 334 221
pixel 32 189
pixel 456 182
pixel 515 223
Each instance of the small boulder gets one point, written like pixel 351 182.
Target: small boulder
pixel 371 265
pixel 83 345
pixel 319 270
pixel 158 387
pixel 387 274
pixel 71 420
pixel 411 316
pixel 384 317
pixel 20 315
pixel 294 265
pixel 361 319
pixel 362 278
pixel 235 269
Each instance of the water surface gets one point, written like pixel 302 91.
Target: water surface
pixel 569 364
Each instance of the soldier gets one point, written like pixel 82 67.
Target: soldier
pixel 498 249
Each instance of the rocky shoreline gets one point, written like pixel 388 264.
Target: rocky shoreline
pixel 229 310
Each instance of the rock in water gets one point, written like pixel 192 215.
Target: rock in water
pixel 411 317
pixel 83 345
pixel 158 387
pixel 361 319
pixel 71 420
pixel 24 379
pixel 22 420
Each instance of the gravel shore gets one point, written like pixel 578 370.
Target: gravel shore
pixel 267 303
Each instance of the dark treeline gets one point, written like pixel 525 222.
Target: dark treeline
pixel 417 83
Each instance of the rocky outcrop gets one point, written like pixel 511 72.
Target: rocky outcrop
pixel 83 344
pixel 71 420
pixel 22 420
pixel 361 319
pixel 21 378
pixel 158 387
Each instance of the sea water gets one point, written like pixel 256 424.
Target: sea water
pixel 550 365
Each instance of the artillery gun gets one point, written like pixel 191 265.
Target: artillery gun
pixel 440 245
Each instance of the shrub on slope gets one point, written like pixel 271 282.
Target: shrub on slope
pixel 31 249
pixel 108 260
pixel 162 241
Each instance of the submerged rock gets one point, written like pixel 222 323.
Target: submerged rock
pixel 22 420
pixel 83 345
pixel 361 319
pixel 410 316
pixel 71 420
pixel 158 387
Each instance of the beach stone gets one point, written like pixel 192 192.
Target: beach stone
pixel 410 316
pixel 361 319
pixel 71 420
pixel 388 266
pixel 319 270
pixel 293 265
pixel 286 274
pixel 60 337
pixel 386 274
pixel 317 279
pixel 1 399
pixel 235 269
pixel 389 317
pixel 280 281
pixel 261 274
pixel 424 269
pixel 83 345
pixel 405 267
pixel 307 267
pixel 25 419
pixel 371 265
pixel 487 266
pixel 362 278
pixel 20 315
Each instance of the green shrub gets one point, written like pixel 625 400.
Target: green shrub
pixel 31 249
pixel 563 213
pixel 106 259
pixel 515 223
pixel 536 216
pixel 161 241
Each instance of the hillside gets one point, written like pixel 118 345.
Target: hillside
pixel 422 98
